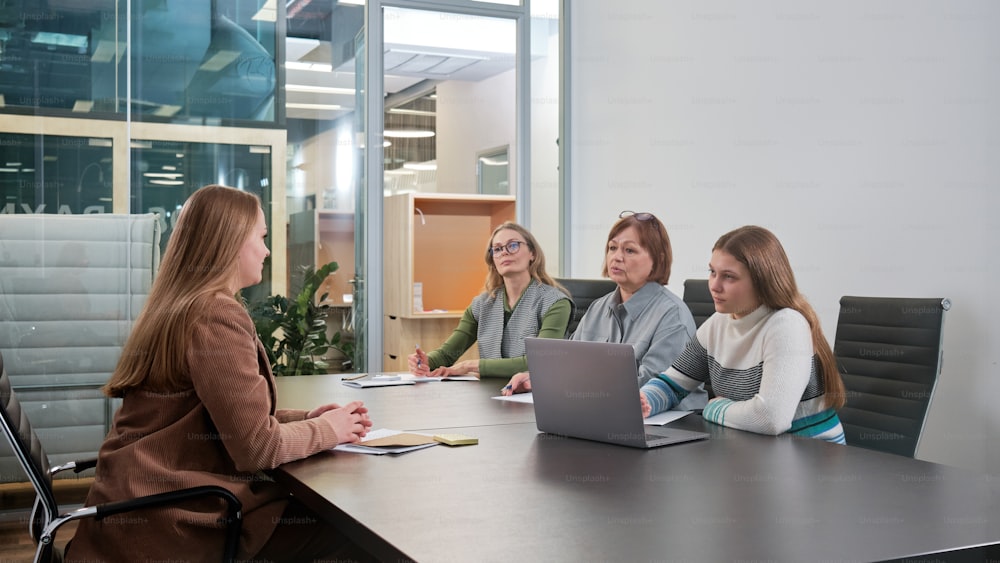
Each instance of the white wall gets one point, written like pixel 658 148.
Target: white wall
pixel 865 135
pixel 544 192
pixel 472 117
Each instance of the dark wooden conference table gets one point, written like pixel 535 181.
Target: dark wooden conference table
pixel 520 495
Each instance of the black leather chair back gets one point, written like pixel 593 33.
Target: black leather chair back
pixel 584 292
pixel 888 351
pixel 699 300
pixel 29 453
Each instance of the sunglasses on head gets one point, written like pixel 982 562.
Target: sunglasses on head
pixel 638 216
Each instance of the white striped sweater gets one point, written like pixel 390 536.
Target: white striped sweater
pixel 763 371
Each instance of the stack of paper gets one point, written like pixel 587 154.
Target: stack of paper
pixel 384 441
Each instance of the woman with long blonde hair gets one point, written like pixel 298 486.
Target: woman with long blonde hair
pixel 763 350
pixel 520 300
pixel 198 407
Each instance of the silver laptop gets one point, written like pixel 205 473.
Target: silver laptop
pixel 590 390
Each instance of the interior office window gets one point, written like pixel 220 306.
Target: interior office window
pixel 493 171
pixel 52 54
pixel 166 173
pixel 193 61
pixel 55 174
pixel 203 62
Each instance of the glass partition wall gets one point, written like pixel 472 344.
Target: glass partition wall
pixel 129 106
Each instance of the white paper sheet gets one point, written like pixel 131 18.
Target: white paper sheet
pixel 518 398
pixel 381 433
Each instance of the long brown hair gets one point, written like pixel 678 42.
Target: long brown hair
pixel 771 274
pixel 201 261
pixel 653 238
pixel 494 281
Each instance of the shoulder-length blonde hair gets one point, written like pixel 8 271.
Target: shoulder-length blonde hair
pixel 771 274
pixel 201 261
pixel 494 281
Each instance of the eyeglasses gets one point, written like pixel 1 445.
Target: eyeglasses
pixel 511 247
pixel 638 216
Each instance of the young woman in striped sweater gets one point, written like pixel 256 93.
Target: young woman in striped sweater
pixel 763 350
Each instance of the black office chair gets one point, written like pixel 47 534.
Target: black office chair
pixel 45 516
pixel 888 351
pixel 584 292
pixel 699 300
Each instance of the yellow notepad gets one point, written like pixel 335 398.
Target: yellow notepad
pixel 456 439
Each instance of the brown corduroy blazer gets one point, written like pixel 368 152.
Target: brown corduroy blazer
pixel 223 430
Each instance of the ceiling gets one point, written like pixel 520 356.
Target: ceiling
pixel 420 49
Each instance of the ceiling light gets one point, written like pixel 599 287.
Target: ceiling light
pixel 60 39
pixel 384 144
pixel 167 182
pixel 168 175
pixel 413 112
pixel 167 111
pixel 318 89
pixel 296 105
pixel 267 12
pixel 408 133
pixel 107 51
pixel 219 60
pixel 421 166
pixel 315 67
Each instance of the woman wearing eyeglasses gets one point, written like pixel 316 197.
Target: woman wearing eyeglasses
pixel 641 311
pixel 520 300
pixel 771 368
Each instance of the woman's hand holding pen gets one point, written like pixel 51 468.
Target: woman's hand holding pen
pixel 520 383
pixel 350 422
pixel 418 364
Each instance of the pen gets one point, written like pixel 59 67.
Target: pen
pixel 417 348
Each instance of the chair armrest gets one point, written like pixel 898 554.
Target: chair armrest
pixel 233 520
pixel 77 466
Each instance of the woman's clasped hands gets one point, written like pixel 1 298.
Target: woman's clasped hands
pixel 350 422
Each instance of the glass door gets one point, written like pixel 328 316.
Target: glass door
pixel 455 87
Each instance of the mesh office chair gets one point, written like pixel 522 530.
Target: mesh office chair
pixel 584 292
pixel 46 517
pixel 888 351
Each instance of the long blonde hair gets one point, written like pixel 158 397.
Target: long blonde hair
pixel 771 274
pixel 201 261
pixel 494 281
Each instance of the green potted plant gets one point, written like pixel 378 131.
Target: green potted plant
pixel 294 331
